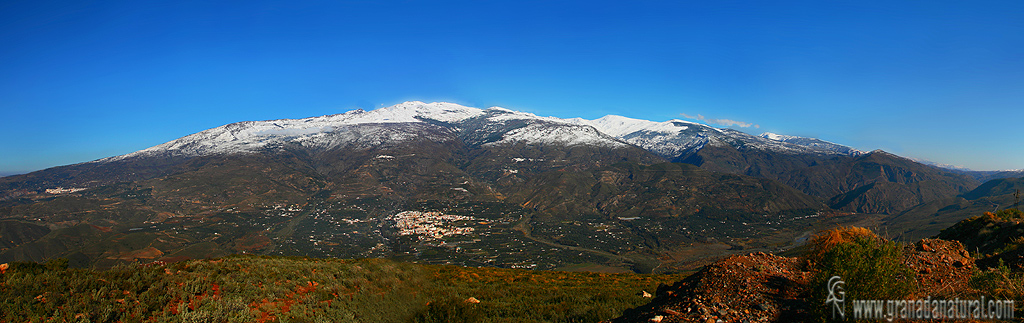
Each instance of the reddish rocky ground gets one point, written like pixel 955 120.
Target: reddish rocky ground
pixel 943 267
pixel 762 287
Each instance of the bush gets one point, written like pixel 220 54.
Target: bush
pixel 826 240
pixel 1007 214
pixel 1000 282
pixel 871 267
pixel 449 309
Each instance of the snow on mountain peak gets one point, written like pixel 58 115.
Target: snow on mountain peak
pixel 813 143
pixel 250 136
pixel 560 134
pixel 412 111
pixel 620 126
pixel 496 114
pixel 773 136
pixel 405 121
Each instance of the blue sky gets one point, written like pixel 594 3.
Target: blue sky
pixel 937 80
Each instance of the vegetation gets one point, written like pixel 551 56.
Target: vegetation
pixel 826 240
pixel 280 289
pixel 1007 214
pixel 991 238
pixel 1000 283
pixel 997 239
pixel 871 267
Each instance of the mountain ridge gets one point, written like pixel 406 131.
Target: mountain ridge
pixel 250 136
pixel 488 187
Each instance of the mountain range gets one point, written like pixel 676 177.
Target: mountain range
pixel 445 183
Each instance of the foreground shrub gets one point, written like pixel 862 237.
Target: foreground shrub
pixel 871 267
pixel 826 240
pixel 447 310
pixel 1000 282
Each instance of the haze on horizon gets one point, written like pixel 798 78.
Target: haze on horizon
pixel 938 81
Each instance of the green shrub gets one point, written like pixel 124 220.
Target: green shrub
pixel 1007 214
pixel 1000 282
pixel 872 268
pixel 826 240
pixel 448 309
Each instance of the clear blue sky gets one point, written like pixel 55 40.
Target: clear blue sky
pixel 938 80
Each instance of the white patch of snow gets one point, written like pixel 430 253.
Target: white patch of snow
pixel 620 126
pixel 776 137
pixel 563 134
pixel 501 115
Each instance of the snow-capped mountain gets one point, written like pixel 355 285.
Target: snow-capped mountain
pixel 438 121
pixel 441 121
pixel 667 139
pixel 368 127
pixel 813 143
pixel 512 127
pixel 673 138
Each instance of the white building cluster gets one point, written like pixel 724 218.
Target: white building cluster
pixel 61 190
pixel 430 225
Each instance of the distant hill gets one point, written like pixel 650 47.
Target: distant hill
pixel 996 187
pixel 993 238
pixel 875 182
pixel 928 219
pixel 5 174
pixel 985 176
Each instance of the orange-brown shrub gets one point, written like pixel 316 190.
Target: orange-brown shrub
pixel 823 241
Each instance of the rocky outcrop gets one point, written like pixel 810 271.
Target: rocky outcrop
pixel 943 268
pixel 762 287
pixel 758 287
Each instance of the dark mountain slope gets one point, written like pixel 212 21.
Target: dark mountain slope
pixel 661 190
pixel 996 187
pixel 876 182
pixel 985 176
pixel 994 238
pixel 652 211
pixel 926 220
pixel 340 202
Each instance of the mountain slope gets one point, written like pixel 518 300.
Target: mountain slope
pixel 812 142
pixel 674 138
pixel 875 182
pixel 928 219
pixel 846 176
pixel 985 176
pixel 996 187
